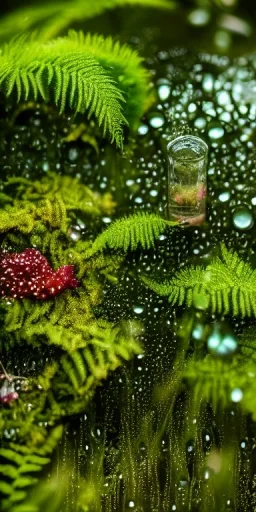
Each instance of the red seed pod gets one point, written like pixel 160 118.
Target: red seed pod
pixel 28 274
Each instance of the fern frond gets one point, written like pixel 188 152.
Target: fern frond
pixel 55 190
pixel 69 78
pixel 247 343
pixel 227 284
pixel 104 352
pixel 130 232
pixel 213 380
pixel 58 15
pixel 19 466
pixel 126 69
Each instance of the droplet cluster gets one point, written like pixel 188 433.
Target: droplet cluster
pixel 28 274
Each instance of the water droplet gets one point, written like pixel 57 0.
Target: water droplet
pixel 223 98
pixel 242 218
pixel 224 196
pixel 207 474
pixel 236 395
pixel 45 166
pixel 208 83
pixel 164 92
pixel 221 341
pixel 199 17
pixel 143 129
pixel 200 123
pixel 156 120
pixel 153 193
pixel 198 332
pixel 192 108
pixel 138 310
pixel 216 132
pixel 73 154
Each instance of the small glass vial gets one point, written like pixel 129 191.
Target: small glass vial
pixel 187 175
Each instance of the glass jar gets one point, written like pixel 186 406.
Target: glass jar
pixel 187 174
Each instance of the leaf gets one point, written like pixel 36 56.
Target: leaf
pixel 71 78
pixel 20 464
pixel 130 232
pixel 228 285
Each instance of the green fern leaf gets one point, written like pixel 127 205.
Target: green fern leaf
pixel 247 344
pixel 105 349
pixel 130 232
pixel 126 69
pixel 70 78
pixel 19 466
pixel 213 380
pixel 227 284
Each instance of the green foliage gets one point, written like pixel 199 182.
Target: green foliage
pixel 228 285
pixel 212 380
pixel 19 468
pixel 130 232
pixel 84 348
pixel 54 186
pixel 126 68
pixel 69 78
pixel 247 343
pixel 84 74
pixel 59 15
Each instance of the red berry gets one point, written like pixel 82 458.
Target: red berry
pixel 29 274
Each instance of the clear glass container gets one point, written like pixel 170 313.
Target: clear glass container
pixel 187 174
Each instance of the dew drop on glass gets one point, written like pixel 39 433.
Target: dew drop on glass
pixel 242 218
pixel 138 310
pixel 156 120
pixel 73 154
pixel 199 17
pixel 164 91
pixel 224 197
pixel 221 342
pixel 236 395
pixel 143 129
pixel 216 132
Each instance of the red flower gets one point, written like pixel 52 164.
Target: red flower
pixel 29 274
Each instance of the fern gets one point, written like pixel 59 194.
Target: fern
pixel 71 79
pixel 228 286
pixel 54 187
pixel 126 69
pixel 130 232
pixel 58 15
pixel 104 352
pixel 19 466
pixel 213 380
pixel 247 343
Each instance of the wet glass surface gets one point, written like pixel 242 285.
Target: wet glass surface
pixel 165 432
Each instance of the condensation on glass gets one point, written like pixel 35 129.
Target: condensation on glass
pixel 187 174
